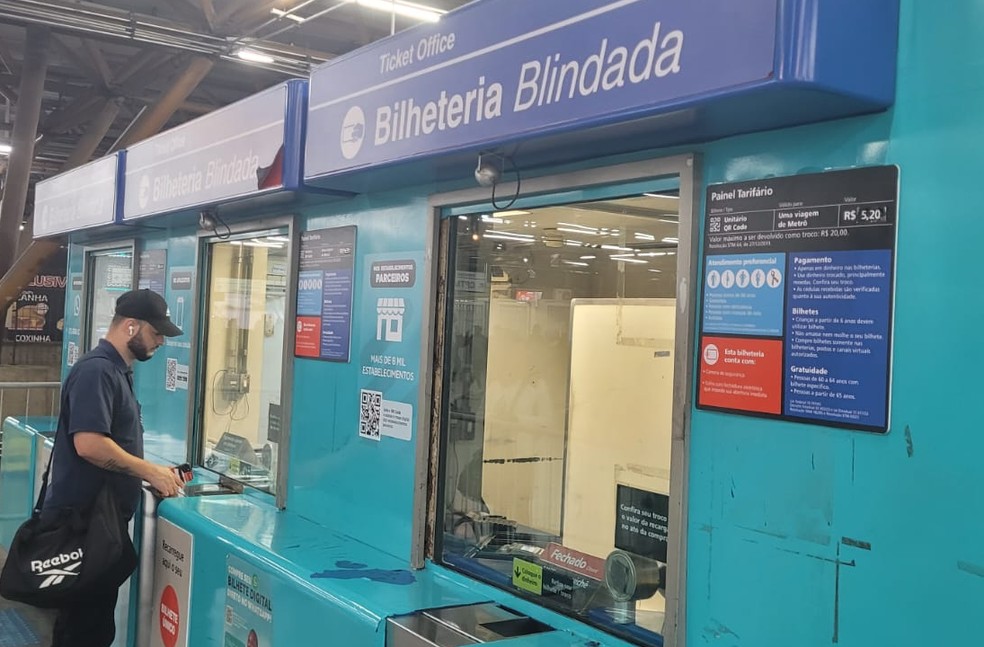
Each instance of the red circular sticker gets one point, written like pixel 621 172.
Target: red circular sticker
pixel 170 617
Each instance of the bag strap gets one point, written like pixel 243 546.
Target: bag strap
pixel 44 484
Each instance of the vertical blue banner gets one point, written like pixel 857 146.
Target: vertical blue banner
pixel 324 294
pixel 389 351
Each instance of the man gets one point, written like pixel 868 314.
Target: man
pixel 100 441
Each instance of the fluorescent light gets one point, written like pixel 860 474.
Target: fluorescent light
pixel 492 219
pixel 578 231
pixel 518 238
pixel 627 259
pixel 6 149
pixel 589 230
pixel 578 263
pixel 403 8
pixel 661 195
pixel 280 13
pixel 616 248
pixel 671 239
pixel 253 56
pixel 588 257
pixel 641 236
pixel 514 212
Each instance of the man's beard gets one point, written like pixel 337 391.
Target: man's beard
pixel 139 349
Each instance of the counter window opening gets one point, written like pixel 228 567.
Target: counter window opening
pixel 557 424
pixel 245 307
pixel 108 274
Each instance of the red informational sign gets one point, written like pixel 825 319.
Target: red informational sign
pixel 741 374
pixel 574 561
pixel 170 617
pixel 307 341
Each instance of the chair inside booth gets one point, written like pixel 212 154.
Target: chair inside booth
pixel 243 350
pixel 556 462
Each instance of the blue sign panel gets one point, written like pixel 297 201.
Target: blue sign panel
pixel 389 351
pixel 806 334
pixel 837 348
pixel 83 197
pixel 247 148
pixel 480 76
pixel 743 294
pixel 324 294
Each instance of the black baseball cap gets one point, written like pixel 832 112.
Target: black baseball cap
pixel 148 306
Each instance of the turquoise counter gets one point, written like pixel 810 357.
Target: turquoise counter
pixel 317 583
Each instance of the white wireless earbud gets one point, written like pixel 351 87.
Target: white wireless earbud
pixel 130 329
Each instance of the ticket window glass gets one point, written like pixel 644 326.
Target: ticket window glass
pixel 109 274
pixel 245 309
pixel 558 405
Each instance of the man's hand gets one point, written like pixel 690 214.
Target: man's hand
pixel 163 479
pixel 101 451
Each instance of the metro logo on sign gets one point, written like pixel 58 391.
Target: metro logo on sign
pixel 574 561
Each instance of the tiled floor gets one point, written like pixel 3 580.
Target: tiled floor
pixel 21 625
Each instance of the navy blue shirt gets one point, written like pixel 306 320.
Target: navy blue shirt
pixel 97 397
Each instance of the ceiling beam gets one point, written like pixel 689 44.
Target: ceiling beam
pixel 94 134
pixel 98 61
pixel 8 92
pixel 209 10
pixel 150 121
pixel 7 59
pixel 71 56
pixel 67 116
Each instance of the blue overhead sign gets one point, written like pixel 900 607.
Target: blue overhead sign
pixel 78 199
pixel 481 77
pixel 247 148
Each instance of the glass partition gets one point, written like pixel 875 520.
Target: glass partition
pixel 243 350
pixel 558 424
pixel 110 274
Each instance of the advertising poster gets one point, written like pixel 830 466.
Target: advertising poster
pixel 324 294
pixel 796 317
pixel 390 350
pixel 73 319
pixel 173 566
pixel 37 315
pixel 180 302
pixel 152 270
pixel 249 609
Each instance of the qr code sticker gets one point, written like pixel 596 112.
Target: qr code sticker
pixel 372 403
pixel 715 226
pixel 171 374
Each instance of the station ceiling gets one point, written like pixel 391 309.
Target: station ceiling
pixel 131 52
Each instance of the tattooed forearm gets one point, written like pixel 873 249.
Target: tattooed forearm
pixel 113 465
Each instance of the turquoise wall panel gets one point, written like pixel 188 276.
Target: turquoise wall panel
pixel 811 536
pixel 165 405
pixel 363 488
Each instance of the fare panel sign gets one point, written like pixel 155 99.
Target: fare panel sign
pixel 796 316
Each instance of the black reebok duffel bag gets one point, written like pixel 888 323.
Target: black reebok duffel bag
pixel 54 562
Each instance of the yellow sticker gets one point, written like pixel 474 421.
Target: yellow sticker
pixel 528 576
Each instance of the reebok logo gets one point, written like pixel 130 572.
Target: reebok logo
pixel 56 569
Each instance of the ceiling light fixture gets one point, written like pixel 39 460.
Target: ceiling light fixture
pixel 403 8
pixel 6 149
pixel 253 56
pixel 280 13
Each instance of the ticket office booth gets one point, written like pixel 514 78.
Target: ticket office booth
pixel 460 434
pixel 565 295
